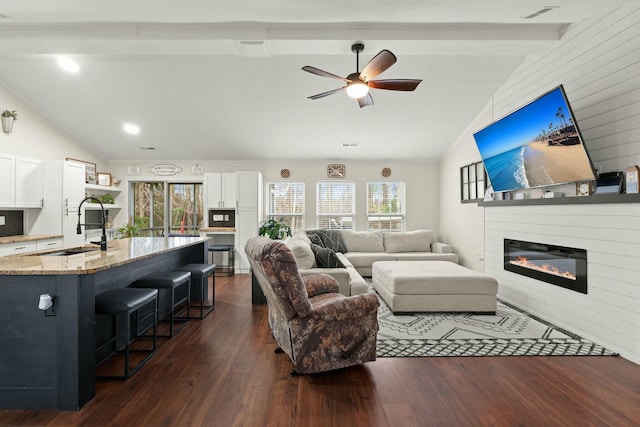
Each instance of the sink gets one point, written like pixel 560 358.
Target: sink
pixel 70 251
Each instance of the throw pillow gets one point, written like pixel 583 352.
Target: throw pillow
pixel 332 239
pixel 300 246
pixel 315 238
pixel 326 258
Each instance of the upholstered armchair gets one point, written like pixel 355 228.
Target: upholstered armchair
pixel 316 326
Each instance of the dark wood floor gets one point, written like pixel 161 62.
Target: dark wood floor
pixel 222 371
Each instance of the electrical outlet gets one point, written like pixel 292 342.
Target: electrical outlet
pixel 2 220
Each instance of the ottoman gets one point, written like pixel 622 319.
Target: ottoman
pixel 433 286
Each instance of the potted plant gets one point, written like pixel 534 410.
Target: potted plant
pixel 274 229
pixel 8 117
pixel 130 229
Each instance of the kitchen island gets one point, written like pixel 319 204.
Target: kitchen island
pixel 47 359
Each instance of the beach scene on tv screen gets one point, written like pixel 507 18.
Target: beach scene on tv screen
pixel 535 146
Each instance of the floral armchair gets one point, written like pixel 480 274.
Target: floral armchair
pixel 319 328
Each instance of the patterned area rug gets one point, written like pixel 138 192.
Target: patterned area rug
pixel 510 332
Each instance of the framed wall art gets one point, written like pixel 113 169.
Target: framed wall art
pixel 104 178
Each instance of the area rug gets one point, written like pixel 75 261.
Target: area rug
pixel 510 332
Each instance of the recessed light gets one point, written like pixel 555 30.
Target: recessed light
pixel 131 128
pixel 68 64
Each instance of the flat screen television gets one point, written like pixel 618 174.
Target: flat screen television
pixel 537 145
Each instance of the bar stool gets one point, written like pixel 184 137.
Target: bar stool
pixel 174 290
pixel 127 302
pixel 200 286
pixel 229 269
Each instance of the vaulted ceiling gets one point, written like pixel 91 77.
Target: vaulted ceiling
pixel 224 82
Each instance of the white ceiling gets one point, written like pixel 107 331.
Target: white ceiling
pixel 176 69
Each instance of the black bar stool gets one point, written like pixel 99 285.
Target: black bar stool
pixel 200 286
pixel 229 269
pixel 174 290
pixel 127 302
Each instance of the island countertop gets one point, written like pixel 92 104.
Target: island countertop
pixel 119 252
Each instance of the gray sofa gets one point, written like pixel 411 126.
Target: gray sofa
pixel 360 249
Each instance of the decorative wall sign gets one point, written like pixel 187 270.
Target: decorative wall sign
pixel 386 172
pixel 336 170
pixel 104 178
pixel 632 175
pixel 197 170
pixel 285 173
pixel 165 169
pixel 133 169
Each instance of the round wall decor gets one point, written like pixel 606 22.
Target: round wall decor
pixel 386 172
pixel 285 173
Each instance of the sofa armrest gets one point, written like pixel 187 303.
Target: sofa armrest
pixel 354 307
pixel 340 274
pixel 317 284
pixel 441 248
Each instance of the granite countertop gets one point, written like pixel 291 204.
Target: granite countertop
pixel 118 252
pixel 28 238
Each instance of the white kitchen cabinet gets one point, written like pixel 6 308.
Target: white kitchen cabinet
pixel 17 248
pixel 221 190
pixel 22 182
pixel 249 214
pixel 29 183
pixel 43 245
pixel 8 180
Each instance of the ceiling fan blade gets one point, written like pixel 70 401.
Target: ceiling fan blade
pixel 365 100
pixel 323 94
pixel 395 84
pixel 319 72
pixel 377 65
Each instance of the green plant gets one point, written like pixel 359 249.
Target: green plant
pixel 10 113
pixel 128 230
pixel 107 199
pixel 274 229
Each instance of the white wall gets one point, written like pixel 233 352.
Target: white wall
pixel 597 62
pixel 421 178
pixel 35 136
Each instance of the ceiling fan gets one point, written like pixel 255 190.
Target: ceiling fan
pixel 359 83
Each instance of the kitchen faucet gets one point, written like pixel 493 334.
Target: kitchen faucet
pixel 103 239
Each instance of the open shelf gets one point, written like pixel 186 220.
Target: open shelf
pixel 109 188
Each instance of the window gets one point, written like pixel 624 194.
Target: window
pixel 385 206
pixel 335 205
pixel 285 199
pixel 472 182
pixel 160 208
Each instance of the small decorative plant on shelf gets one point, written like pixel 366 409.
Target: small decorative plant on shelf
pixel 130 229
pixel 274 229
pixel 8 117
pixel 107 199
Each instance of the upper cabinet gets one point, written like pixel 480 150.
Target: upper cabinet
pixel 22 182
pixel 221 190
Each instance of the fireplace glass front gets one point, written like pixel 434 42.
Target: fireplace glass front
pixel 558 265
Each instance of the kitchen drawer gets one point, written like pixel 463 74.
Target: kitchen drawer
pixel 17 248
pixel 43 245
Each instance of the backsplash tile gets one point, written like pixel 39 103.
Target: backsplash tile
pixel 13 223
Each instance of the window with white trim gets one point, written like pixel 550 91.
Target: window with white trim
pixel 335 205
pixel 385 206
pixel 285 200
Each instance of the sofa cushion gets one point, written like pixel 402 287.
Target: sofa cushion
pixel 362 241
pixel 331 239
pixel 325 257
pixel 366 259
pixel 300 245
pixel 410 241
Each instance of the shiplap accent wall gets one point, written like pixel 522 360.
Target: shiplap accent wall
pixel 598 62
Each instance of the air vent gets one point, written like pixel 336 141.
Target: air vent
pixel 253 48
pixel 148 148
pixel 541 11
pixel 349 144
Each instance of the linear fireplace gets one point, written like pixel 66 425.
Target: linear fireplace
pixel 558 265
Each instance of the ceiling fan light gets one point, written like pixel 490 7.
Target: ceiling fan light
pixel 357 89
